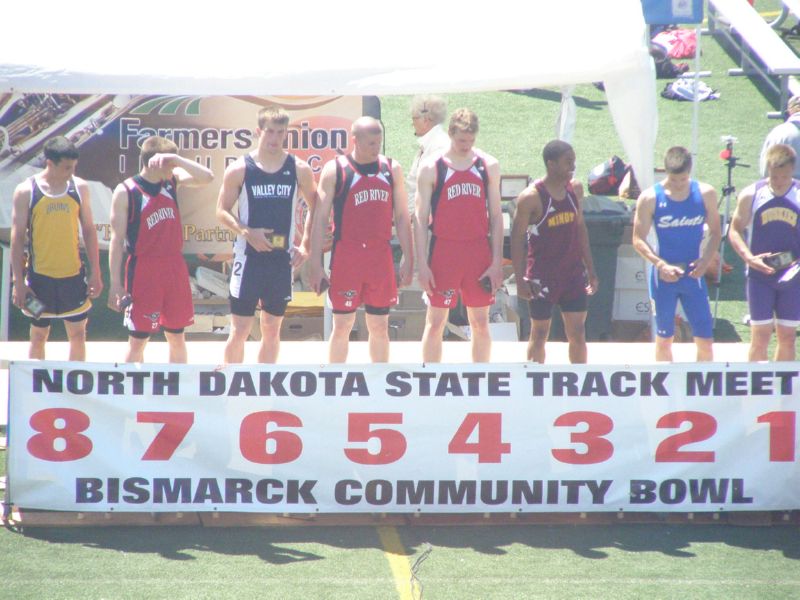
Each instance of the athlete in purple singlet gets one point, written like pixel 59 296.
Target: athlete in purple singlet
pixel 767 216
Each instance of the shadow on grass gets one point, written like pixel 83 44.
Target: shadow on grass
pixel 593 541
pixel 554 96
pixel 281 545
pixel 724 331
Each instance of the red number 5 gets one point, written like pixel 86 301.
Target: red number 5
pixel 392 442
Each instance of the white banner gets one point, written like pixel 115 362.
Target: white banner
pixel 404 438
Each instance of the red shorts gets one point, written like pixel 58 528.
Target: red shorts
pixel 362 273
pixel 457 267
pixel 162 297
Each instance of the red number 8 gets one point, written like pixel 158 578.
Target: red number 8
pixel 76 446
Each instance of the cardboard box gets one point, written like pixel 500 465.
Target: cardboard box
pixel 411 298
pixel 631 274
pixel 631 305
pixel 630 331
pixel 405 325
pixel 301 328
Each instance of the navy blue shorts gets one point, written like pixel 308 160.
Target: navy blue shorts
pixel 263 279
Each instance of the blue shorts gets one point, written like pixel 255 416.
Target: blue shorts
pixel 693 295
pixel 264 279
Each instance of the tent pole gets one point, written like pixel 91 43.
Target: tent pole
pixel 696 101
pixel 5 285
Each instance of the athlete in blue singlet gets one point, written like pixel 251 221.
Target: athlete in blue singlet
pixel 265 183
pixel 768 216
pixel 679 208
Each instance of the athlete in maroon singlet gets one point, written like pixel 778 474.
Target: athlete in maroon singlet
pixel 366 193
pixel 459 231
pixel 549 231
pixel 145 222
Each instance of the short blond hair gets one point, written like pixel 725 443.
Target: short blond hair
pixel 463 120
pixel 272 114
pixel 780 155
pixel 156 144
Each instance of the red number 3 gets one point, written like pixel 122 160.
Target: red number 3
pixel 75 445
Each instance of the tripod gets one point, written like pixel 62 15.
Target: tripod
pixel 728 192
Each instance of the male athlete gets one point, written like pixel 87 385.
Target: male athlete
pixel 679 208
pixel 366 193
pixel 768 216
pixel 549 229
pixel 265 183
pixel 49 208
pixel 459 236
pixel 146 223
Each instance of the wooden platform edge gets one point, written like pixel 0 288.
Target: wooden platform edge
pixel 20 517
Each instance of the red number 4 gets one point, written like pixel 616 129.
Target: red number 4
pixel 489 445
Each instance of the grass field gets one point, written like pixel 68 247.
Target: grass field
pixel 616 561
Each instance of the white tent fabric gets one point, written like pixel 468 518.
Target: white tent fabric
pixel 328 48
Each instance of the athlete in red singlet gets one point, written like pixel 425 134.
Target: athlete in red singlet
pixel 549 230
pixel 366 193
pixel 459 232
pixel 146 223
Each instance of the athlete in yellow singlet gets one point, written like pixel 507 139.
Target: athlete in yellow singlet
pixel 47 212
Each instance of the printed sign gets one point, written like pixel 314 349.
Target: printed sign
pixel 109 130
pixel 403 438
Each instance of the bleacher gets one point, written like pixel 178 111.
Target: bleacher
pixel 762 51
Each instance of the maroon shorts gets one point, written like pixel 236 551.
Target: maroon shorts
pixel 362 273
pixel 457 267
pixel 162 297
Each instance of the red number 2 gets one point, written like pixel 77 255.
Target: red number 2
pixel 703 426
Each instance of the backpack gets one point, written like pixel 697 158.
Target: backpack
pixel 683 89
pixel 606 177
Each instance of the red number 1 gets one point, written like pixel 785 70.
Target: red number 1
pixel 782 425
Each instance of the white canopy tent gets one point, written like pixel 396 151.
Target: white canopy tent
pixel 349 47
pixel 357 47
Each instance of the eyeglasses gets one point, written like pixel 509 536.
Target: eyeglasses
pixel 422 112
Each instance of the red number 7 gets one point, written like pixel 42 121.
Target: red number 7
pixel 167 440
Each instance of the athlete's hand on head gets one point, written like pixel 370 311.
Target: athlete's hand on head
pixel 163 161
